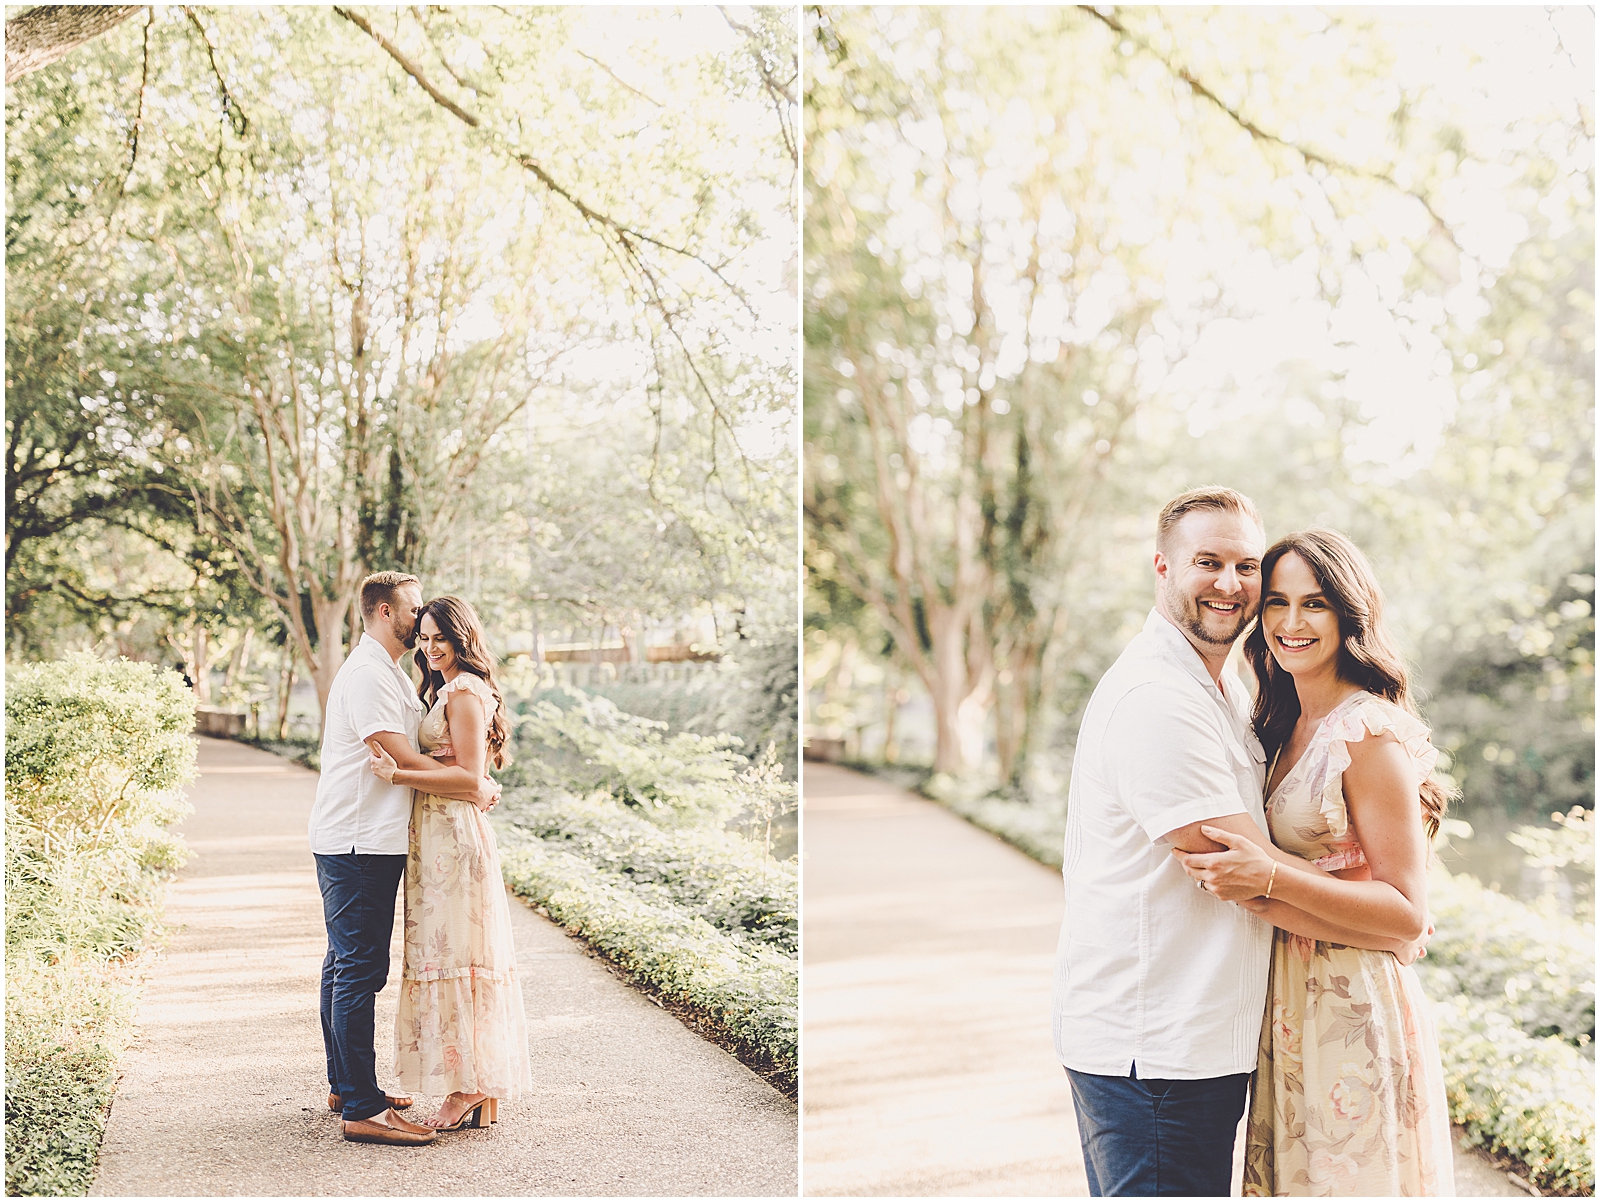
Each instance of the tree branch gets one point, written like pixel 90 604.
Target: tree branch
pixel 409 67
pixel 41 35
pixel 1306 153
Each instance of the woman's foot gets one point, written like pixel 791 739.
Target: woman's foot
pixel 455 1106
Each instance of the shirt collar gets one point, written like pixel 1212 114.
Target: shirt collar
pixel 1171 640
pixel 370 647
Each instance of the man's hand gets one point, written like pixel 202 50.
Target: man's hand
pixel 488 794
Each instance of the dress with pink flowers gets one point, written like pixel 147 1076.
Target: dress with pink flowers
pixel 461 1026
pixel 1348 1096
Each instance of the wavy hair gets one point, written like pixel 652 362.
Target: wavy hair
pixel 459 624
pixel 1368 656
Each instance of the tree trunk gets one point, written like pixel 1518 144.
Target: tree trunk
pixel 958 702
pixel 285 687
pixel 41 35
pixel 329 616
pixel 201 660
pixel 891 710
pixel 240 661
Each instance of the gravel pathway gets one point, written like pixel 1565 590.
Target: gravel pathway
pixel 224 1092
pixel 928 952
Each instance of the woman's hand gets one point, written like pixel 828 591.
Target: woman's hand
pixel 1410 951
pixel 382 763
pixel 1240 873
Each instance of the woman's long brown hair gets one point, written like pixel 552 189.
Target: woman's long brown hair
pixel 1368 657
pixel 459 624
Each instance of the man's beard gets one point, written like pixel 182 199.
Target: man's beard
pixel 1194 618
pixel 406 633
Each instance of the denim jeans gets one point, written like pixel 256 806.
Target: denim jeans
pixel 1155 1137
pixel 358 894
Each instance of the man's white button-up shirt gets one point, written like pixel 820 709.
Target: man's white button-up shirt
pixel 1151 971
pixel 355 810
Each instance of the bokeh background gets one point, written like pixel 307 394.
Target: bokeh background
pixel 1063 264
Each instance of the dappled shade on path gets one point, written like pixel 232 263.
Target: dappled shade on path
pixel 223 1094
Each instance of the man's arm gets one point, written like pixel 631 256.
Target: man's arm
pixel 400 750
pixel 1190 839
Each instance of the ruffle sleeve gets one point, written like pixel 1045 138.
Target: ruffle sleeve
pixel 467 682
pixel 1352 723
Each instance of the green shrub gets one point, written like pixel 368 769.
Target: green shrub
pixel 585 743
pixel 717 875
pixel 95 756
pixel 1037 830
pixel 748 995
pixel 1530 1098
pixel 1568 841
pixel 752 694
pixel 1535 964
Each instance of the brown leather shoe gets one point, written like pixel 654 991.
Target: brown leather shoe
pixel 395 1130
pixel 336 1103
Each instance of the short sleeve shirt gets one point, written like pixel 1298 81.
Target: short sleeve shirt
pixel 355 810
pixel 1152 974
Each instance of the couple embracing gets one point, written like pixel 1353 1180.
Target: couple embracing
pixel 1246 883
pixel 405 793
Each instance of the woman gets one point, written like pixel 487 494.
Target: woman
pixel 1348 1096
pixel 461 1028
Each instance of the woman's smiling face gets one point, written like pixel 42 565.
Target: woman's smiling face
pixel 1300 625
pixel 431 642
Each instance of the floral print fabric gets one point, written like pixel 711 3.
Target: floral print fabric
pixel 1348 1095
pixel 461 1025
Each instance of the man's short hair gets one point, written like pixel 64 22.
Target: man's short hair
pixel 1211 496
pixel 379 589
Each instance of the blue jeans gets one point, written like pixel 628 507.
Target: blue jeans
pixel 1156 1137
pixel 358 893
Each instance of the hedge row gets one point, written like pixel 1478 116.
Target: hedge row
pixel 95 755
pixel 1534 963
pixel 748 995
pixel 1531 1098
pixel 710 872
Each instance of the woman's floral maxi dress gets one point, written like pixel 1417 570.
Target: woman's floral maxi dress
pixel 1348 1096
pixel 461 1026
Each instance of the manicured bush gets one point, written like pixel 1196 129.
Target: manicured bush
pixel 1535 964
pixel 581 743
pixel 717 875
pixel 1530 1098
pixel 747 994
pixel 95 756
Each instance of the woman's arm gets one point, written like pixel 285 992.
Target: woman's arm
pixel 396 750
pixel 469 727
pixel 1385 816
pixel 1298 922
pixel 1192 839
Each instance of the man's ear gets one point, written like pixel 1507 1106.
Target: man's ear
pixel 1161 566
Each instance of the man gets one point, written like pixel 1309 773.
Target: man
pixel 1159 986
pixel 359 838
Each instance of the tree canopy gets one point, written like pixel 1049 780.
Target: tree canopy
pixel 1062 264
pixel 297 293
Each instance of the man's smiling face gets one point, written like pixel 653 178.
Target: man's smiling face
pixel 1209 576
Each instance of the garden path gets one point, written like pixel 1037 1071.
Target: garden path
pixel 928 952
pixel 224 1091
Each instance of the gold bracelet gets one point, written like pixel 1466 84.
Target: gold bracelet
pixel 1272 878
